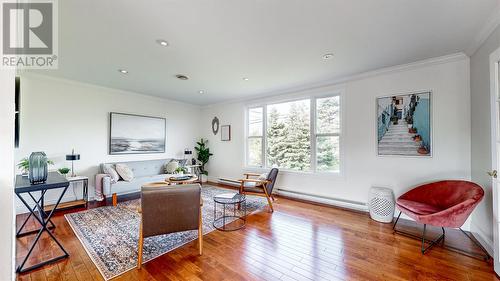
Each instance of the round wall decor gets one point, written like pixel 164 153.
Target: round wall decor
pixel 215 125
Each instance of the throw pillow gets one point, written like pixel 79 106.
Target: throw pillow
pixel 262 177
pixel 182 162
pixel 125 172
pixel 110 170
pixel 171 166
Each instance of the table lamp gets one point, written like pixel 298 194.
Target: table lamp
pixel 187 152
pixel 72 157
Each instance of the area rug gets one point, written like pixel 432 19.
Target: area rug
pixel 110 234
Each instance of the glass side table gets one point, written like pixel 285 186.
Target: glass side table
pixel 234 211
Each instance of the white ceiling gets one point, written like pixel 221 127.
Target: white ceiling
pixel 277 44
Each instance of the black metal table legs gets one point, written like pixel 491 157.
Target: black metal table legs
pixel 21 234
pixel 43 219
pixel 424 249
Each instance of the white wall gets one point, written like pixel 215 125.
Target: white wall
pixel 58 115
pixel 7 79
pixel 361 168
pixel 482 220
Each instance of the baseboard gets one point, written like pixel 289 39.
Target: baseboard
pixel 482 238
pixel 323 200
pixel 299 196
pixel 21 209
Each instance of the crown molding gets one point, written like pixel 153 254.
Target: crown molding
pixel 338 82
pixel 106 89
pixel 491 24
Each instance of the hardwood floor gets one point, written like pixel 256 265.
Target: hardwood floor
pixel 299 241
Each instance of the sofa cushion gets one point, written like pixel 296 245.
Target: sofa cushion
pixel 124 171
pixel 110 170
pixel 135 185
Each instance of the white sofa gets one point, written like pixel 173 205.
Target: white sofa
pixel 144 172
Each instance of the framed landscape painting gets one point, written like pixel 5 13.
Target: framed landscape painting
pixel 133 134
pixel 404 125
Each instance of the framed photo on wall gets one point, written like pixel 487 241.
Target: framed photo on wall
pixel 225 133
pixel 136 134
pixel 404 125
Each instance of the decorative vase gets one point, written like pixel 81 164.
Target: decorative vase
pixel 204 178
pixel 38 171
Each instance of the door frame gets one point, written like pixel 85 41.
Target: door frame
pixel 494 98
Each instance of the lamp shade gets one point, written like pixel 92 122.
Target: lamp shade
pixel 72 157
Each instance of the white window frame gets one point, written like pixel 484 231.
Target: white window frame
pixel 248 137
pixel 313 137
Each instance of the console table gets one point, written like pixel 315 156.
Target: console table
pixel 23 187
pixel 77 202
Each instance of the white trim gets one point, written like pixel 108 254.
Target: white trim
pixel 108 90
pixel 483 239
pixel 494 59
pixel 338 82
pixel 488 28
pixel 337 202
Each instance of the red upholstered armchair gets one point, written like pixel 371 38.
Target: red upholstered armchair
pixel 444 204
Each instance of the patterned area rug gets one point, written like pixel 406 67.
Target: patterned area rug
pixel 110 234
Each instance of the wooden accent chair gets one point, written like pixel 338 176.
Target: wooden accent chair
pixel 169 209
pixel 259 186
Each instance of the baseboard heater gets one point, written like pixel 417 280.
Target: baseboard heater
pixel 343 203
pixel 228 182
pixel 360 206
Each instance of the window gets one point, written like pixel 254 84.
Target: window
pixel 299 135
pixel 255 137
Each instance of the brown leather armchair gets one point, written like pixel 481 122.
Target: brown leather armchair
pixel 168 209
pixel 253 185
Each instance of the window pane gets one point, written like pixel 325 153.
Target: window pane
pixel 255 121
pixel 288 135
pixel 328 115
pixel 255 151
pixel 327 153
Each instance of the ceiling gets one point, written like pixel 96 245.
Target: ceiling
pixel 277 44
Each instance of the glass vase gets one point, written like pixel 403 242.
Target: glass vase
pixel 38 171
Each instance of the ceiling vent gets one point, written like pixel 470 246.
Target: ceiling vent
pixel 181 77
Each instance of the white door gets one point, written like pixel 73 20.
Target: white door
pixel 495 149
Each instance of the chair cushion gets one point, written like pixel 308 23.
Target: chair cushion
pixel 256 189
pixel 418 207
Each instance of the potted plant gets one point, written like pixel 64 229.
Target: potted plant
pixel 423 150
pixel 203 156
pixel 24 166
pixel 64 171
pixel 181 170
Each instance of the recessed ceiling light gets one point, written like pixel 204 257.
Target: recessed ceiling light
pixel 162 42
pixel 201 91
pixel 245 78
pixel 123 71
pixel 327 56
pixel 182 77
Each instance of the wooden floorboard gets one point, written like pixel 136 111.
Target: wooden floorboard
pixel 299 241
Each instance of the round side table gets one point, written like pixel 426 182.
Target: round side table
pixel 234 211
